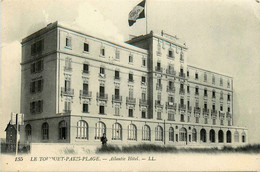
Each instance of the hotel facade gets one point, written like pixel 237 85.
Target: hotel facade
pixel 75 87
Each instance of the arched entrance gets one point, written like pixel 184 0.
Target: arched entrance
pixel 220 136
pixel 183 135
pixel 203 136
pixel 212 136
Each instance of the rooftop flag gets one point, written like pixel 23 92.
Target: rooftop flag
pixel 136 13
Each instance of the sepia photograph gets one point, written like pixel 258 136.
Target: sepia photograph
pixel 130 85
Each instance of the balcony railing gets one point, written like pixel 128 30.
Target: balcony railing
pixel 130 100
pixel 170 72
pixel 205 112
pixel 181 91
pixel 182 75
pixel 158 104
pixel 214 113
pixel 197 110
pixel 158 86
pixel 182 107
pixel 143 102
pixel 67 91
pixel 158 69
pixel 102 96
pixel 171 105
pixel 117 98
pixel 85 94
pixel 170 89
pixel 229 115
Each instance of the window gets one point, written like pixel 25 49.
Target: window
pixel 188 89
pixel 116 131
pixel 159 115
pixel 102 70
pixel 85 108
pixel 158 67
pixel 130 60
pixel 146 133
pixel 181 56
pixel 171 134
pixel 36 86
pixel 221 95
pixel 63 130
pixel 102 109
pixel 45 131
pixel 82 130
pixel 213 94
pixel 158 133
pixel 221 82
pixel 130 77
pixel 221 122
pixel 143 114
pixel 102 51
pixel 67 107
pixel 86 47
pixel 197 119
pixel 228 109
pixel 182 118
pixel 183 134
pixel 117 111
pixel 228 97
pixel 229 122
pixel 205 92
pixel 143 96
pixel 68 42
pixel 117 74
pixel 85 68
pixel 85 88
pixel 206 120
pixel 214 121
pixel 37 66
pixel 144 62
pixel 243 137
pixel 197 90
pixel 221 107
pixel 130 113
pixel 170 53
pixel 37 47
pixel 143 79
pixel 188 73
pixel 171 116
pixel 100 129
pixel 117 54
pixel 194 135
pixel 229 139
pixel 68 62
pixel 36 106
pixel 28 131
pixel 228 84
pixel 205 77
pixel 213 79
pixel 196 76
pixel 132 132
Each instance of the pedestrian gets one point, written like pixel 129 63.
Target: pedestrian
pixel 104 140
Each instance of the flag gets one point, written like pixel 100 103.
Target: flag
pixel 136 13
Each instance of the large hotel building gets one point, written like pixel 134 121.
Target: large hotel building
pixel 75 87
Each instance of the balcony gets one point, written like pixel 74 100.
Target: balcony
pixel 67 111
pixel 205 112
pixel 181 91
pixel 158 104
pixel 159 87
pixel 85 94
pixel 102 96
pixel 182 75
pixel 130 100
pixel 170 89
pixel 158 69
pixel 182 107
pixel 67 92
pixel 221 114
pixel 143 102
pixel 189 109
pixel 170 72
pixel 197 111
pixel 116 98
pixel 214 113
pixel 229 115
pixel 171 105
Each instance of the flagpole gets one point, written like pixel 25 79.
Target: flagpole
pixel 146 16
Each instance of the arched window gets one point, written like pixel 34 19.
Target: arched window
pixel 82 130
pixel 132 132
pixel 171 134
pixel 236 136
pixel 63 130
pixel 203 136
pixel 45 131
pixel 243 137
pixel 100 129
pixel 212 135
pixel 28 131
pixel 228 136
pixel 183 134
pixel 158 133
pixel 116 131
pixel 146 132
pixel 194 135
pixel 220 136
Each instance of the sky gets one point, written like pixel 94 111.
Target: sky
pixel 222 36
